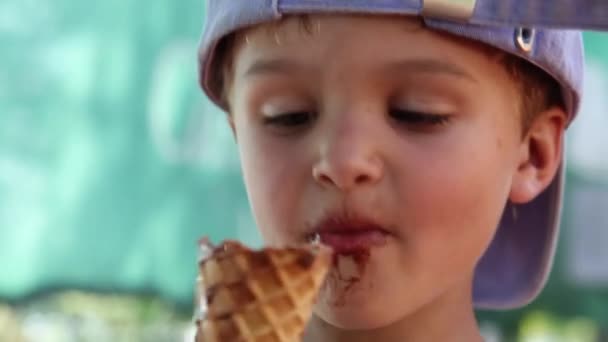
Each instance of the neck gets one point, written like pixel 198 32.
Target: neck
pixel 449 317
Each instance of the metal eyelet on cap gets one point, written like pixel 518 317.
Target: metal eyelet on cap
pixel 461 10
pixel 524 38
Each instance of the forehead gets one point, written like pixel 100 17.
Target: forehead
pixel 332 40
pixel 303 32
pixel 311 24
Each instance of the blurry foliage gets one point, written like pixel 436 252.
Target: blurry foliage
pixel 112 164
pixel 78 316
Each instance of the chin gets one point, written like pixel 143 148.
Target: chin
pixel 354 315
pixel 352 303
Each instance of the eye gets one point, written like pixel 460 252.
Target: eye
pixel 418 119
pixel 290 120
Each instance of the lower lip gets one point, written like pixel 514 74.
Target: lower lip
pixel 344 242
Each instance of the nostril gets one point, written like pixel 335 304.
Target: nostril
pixel 345 175
pixel 362 179
pixel 323 178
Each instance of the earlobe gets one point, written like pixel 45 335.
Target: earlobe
pixel 540 155
pixel 232 127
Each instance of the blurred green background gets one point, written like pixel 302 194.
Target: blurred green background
pixel 113 164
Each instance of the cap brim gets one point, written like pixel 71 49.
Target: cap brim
pixel 517 264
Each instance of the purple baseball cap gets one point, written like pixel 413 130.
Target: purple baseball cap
pixel 516 266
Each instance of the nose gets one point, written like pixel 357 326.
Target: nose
pixel 349 157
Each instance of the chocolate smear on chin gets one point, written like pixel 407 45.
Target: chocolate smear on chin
pixel 348 270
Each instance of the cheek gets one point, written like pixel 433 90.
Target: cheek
pixel 274 178
pixel 458 198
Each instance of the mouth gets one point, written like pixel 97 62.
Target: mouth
pixel 347 233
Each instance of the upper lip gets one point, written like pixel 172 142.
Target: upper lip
pixel 345 222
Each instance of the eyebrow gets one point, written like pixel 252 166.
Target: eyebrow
pixel 419 65
pixel 272 66
pixel 430 66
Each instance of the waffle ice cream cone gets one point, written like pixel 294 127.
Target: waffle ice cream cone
pixel 258 295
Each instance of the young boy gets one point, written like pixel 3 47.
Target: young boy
pixel 425 151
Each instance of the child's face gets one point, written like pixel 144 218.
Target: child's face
pixel 408 136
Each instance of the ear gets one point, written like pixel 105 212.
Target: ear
pixel 540 155
pixel 230 119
